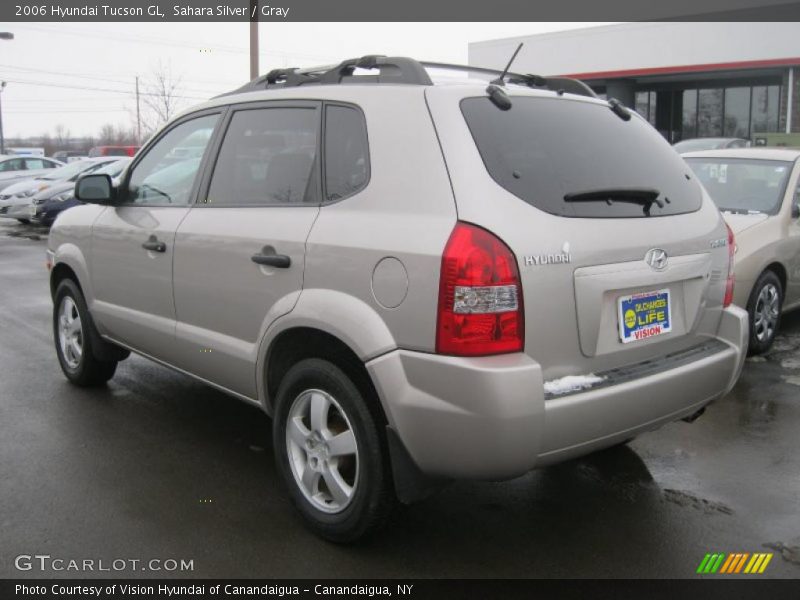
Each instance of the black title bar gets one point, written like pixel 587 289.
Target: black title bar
pixel 420 589
pixel 408 10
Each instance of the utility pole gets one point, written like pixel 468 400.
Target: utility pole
pixel 4 35
pixel 253 39
pixel 138 116
pixel 2 138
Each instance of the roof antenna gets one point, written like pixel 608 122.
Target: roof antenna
pixel 501 80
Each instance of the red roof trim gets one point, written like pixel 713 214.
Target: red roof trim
pixel 747 64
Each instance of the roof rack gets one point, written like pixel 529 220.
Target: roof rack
pixel 396 69
pixel 562 84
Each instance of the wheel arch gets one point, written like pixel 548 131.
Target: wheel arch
pixel 65 269
pixel 70 262
pixel 58 273
pixel 328 317
pixel 297 343
pixel 779 270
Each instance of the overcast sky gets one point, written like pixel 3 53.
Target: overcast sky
pixel 81 75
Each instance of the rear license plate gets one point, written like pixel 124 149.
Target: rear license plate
pixel 642 316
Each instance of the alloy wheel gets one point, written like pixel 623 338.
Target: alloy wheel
pixel 766 313
pixel 322 450
pixel 70 332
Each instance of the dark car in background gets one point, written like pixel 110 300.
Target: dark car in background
pixel 50 203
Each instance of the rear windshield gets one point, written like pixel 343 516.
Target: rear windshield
pixel 579 159
pixel 740 185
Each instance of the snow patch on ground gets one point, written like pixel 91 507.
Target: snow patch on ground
pixel 571 383
pixel 790 363
pixel 794 380
pixel 782 344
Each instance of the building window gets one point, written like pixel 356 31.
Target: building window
pixel 765 114
pixel 709 113
pixel 646 106
pixel 689 128
pixel 737 112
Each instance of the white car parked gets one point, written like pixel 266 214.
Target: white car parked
pixel 17 168
pixel 16 199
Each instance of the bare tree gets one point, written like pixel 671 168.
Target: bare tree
pixel 47 144
pixel 124 136
pixel 62 137
pixel 106 135
pixel 161 97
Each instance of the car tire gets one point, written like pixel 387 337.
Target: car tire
pixel 342 489
pixel 72 333
pixel 764 308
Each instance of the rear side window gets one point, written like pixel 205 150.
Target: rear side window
pixel 34 163
pixel 268 156
pixel 346 152
pixel 579 159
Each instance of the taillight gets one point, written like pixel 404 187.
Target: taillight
pixel 731 278
pixel 480 296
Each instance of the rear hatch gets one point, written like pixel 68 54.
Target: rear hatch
pixel 622 255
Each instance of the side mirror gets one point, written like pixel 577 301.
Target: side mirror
pixel 94 189
pixel 796 211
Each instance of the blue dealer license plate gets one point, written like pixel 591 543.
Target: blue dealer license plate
pixel 642 316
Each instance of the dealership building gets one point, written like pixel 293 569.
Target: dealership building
pixel 688 79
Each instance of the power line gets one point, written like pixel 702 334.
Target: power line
pixel 97 89
pixel 57 110
pixel 138 38
pixel 56 101
pixel 82 76
pixel 62 73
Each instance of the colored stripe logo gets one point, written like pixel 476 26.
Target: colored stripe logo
pixel 734 563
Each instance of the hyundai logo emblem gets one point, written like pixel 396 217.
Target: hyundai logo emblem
pixel 656 258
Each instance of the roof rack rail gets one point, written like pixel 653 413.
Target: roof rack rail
pixel 396 69
pixel 390 69
pixel 562 84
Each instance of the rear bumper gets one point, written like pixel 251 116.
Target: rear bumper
pixel 487 418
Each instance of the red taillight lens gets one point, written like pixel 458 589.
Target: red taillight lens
pixel 480 296
pixel 731 278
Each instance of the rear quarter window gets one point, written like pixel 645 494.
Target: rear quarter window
pixel 549 151
pixel 346 152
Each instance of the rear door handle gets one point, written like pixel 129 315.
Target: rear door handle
pixel 154 245
pixel 280 261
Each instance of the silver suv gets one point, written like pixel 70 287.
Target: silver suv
pixel 419 282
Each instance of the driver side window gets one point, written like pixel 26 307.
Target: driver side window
pixel 166 174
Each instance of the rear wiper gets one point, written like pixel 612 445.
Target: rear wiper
pixel 643 196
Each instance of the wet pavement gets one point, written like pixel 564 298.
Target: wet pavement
pixel 157 465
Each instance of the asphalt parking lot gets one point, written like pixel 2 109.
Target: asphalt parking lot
pixel 156 465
